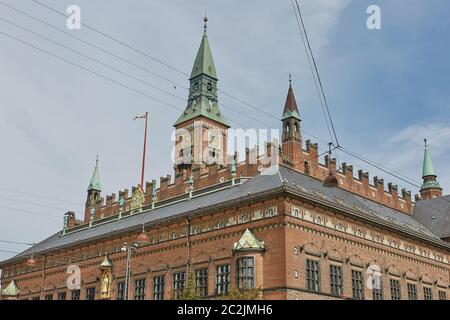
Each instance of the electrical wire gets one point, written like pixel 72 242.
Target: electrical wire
pixel 116 40
pixel 31 203
pixel 30 212
pixel 15 242
pixel 317 74
pixel 173 68
pixel 38 195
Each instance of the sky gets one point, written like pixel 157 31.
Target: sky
pixel 387 89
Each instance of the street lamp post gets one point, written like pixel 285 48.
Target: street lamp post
pixel 129 249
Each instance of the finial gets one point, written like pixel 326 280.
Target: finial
pixel 425 140
pixel 205 19
pixel 290 79
pixel 96 161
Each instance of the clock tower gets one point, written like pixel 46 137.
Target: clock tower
pixel 201 130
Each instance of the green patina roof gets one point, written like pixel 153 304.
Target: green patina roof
pixel 11 289
pixel 203 102
pixel 248 241
pixel 290 114
pixel 202 106
pixel 204 63
pixel 428 169
pixel 95 179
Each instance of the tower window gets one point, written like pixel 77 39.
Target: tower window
pixel 209 86
pixel 196 86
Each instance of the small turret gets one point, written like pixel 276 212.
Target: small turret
pixel 94 188
pixel 430 186
pixel 291 134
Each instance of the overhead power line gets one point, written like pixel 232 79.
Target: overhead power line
pixel 93 59
pixel 9 251
pixel 182 72
pixel 116 40
pixel 30 212
pixel 317 73
pixel 155 59
pixel 15 242
pixel 39 195
pixel 379 167
pixel 32 203
pixel 95 46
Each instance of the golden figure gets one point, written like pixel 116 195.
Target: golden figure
pixel 137 200
pixel 106 284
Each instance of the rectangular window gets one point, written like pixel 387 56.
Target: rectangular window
pixel 139 289
pixel 49 296
pixel 223 279
pixel 121 290
pixel 36 298
pixel 313 275
pixel 245 273
pixel 75 295
pixel 336 280
pixel 90 293
pixel 201 282
pixel 442 295
pixel 377 288
pixel 62 295
pixel 412 291
pixel 427 293
pixel 395 289
pixel 179 282
pixel 158 287
pixel 357 285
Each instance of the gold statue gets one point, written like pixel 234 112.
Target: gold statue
pixel 106 279
pixel 106 284
pixel 137 200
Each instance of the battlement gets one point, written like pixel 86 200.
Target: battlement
pixel 359 184
pixel 252 163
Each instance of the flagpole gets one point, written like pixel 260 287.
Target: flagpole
pixel 143 154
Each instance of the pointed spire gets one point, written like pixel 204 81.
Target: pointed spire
pixel 430 186
pixel 95 179
pixel 204 63
pixel 290 106
pixel 428 169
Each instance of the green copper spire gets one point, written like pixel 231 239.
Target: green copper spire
pixel 204 63
pixel 428 169
pixel 95 179
pixel 203 100
pixel 429 175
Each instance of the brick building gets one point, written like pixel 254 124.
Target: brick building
pixel 296 229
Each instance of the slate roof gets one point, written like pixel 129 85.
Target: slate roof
pixel 260 185
pixel 434 214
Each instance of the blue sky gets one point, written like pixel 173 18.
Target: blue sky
pixel 387 89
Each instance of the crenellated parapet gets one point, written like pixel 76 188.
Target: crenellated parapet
pixel 359 184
